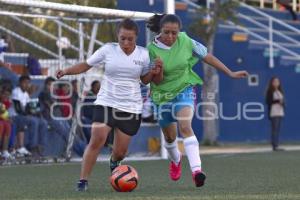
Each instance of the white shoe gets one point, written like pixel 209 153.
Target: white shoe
pixel 23 151
pixel 7 155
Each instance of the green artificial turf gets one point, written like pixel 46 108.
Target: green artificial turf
pixel 261 176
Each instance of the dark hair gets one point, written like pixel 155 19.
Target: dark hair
pixel 271 89
pixel 94 83
pixel 23 78
pixel 157 21
pixel 49 79
pixel 128 24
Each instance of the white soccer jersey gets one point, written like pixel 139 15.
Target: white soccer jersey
pixel 22 96
pixel 120 85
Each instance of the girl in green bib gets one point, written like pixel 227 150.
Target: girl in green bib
pixel 172 89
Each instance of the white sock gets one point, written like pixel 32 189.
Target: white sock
pixel 191 146
pixel 173 151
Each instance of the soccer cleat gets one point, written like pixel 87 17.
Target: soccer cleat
pixel 175 170
pixel 82 186
pixel 199 178
pixel 113 164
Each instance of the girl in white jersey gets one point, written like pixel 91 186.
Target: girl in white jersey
pixel 119 102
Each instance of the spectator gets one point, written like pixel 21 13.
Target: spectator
pixel 46 99
pixel 5 123
pixel 28 115
pixel 287 6
pixel 21 150
pixel 7 86
pixel 275 102
pixel 61 127
pixel 63 92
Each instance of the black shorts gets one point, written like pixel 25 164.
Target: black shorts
pixel 129 123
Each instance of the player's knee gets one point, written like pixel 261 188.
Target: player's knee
pixel 185 130
pixel 170 138
pixel 95 144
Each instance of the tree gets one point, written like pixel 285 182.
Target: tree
pixel 205 26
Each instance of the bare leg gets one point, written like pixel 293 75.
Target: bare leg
pixel 120 147
pixel 99 135
pixel 170 132
pixel 184 117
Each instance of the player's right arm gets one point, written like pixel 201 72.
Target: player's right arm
pixel 76 69
pixel 96 58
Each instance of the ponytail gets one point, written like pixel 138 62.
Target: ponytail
pixel 155 22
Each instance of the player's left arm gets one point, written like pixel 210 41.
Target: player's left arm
pixel 216 63
pixel 201 52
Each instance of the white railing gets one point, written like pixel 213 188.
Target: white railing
pixel 270 17
pixel 270 30
pixel 262 4
pixel 272 20
pixel 31 43
pixel 271 34
pixel 261 38
pixel 43 32
pixel 261 25
pixel 74 30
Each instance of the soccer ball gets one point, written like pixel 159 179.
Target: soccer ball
pixel 63 42
pixel 124 178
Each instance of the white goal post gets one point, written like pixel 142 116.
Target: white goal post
pixel 79 9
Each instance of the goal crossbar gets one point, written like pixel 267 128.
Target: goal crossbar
pixel 79 9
